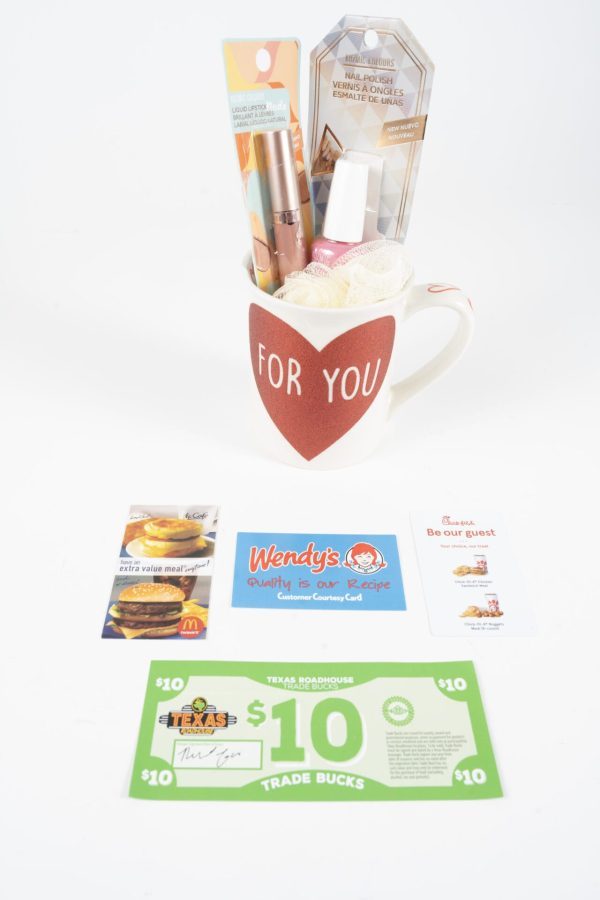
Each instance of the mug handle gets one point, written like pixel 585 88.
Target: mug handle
pixel 436 296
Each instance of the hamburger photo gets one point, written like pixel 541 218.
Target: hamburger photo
pixel 147 610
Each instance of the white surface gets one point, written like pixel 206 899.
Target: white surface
pixel 124 364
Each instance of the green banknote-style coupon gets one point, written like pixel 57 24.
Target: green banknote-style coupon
pixel 311 731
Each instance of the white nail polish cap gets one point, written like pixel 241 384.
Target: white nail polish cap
pixel 345 214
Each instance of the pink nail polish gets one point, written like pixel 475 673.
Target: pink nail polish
pixel 345 215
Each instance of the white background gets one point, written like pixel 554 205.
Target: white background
pixel 125 379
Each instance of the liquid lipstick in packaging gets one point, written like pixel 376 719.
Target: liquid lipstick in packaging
pixel 278 160
pixel 263 92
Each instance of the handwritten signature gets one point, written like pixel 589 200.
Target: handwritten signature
pixel 221 755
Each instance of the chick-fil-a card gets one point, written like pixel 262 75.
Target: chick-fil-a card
pixel 318 571
pixel 471 580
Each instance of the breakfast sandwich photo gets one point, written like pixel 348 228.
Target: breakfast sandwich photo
pixel 164 532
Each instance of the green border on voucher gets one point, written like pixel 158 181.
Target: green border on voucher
pixel 475 777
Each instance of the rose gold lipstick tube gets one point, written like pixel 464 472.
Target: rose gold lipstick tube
pixel 282 177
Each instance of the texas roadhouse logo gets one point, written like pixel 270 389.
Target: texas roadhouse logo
pixel 198 717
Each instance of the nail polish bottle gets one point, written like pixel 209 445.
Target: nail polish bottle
pixel 345 214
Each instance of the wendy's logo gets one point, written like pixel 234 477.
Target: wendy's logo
pixel 364 559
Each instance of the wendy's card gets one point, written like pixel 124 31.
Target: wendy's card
pixel 318 571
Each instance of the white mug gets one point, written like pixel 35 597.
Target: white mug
pixel 322 375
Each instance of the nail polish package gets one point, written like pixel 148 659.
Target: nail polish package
pixel 370 83
pixel 263 88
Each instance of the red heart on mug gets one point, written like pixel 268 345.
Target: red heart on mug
pixel 315 396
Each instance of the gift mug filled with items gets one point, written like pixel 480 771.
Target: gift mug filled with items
pixel 323 385
pixel 329 281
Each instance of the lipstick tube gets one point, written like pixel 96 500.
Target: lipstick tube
pixel 282 178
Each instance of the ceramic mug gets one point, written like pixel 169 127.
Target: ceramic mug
pixel 323 387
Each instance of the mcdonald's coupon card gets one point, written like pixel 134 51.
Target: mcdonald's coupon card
pixel 317 571
pixel 471 580
pixel 311 731
pixel 161 587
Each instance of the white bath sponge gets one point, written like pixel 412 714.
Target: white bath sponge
pixel 365 274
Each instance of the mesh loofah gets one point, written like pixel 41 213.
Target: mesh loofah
pixel 365 274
